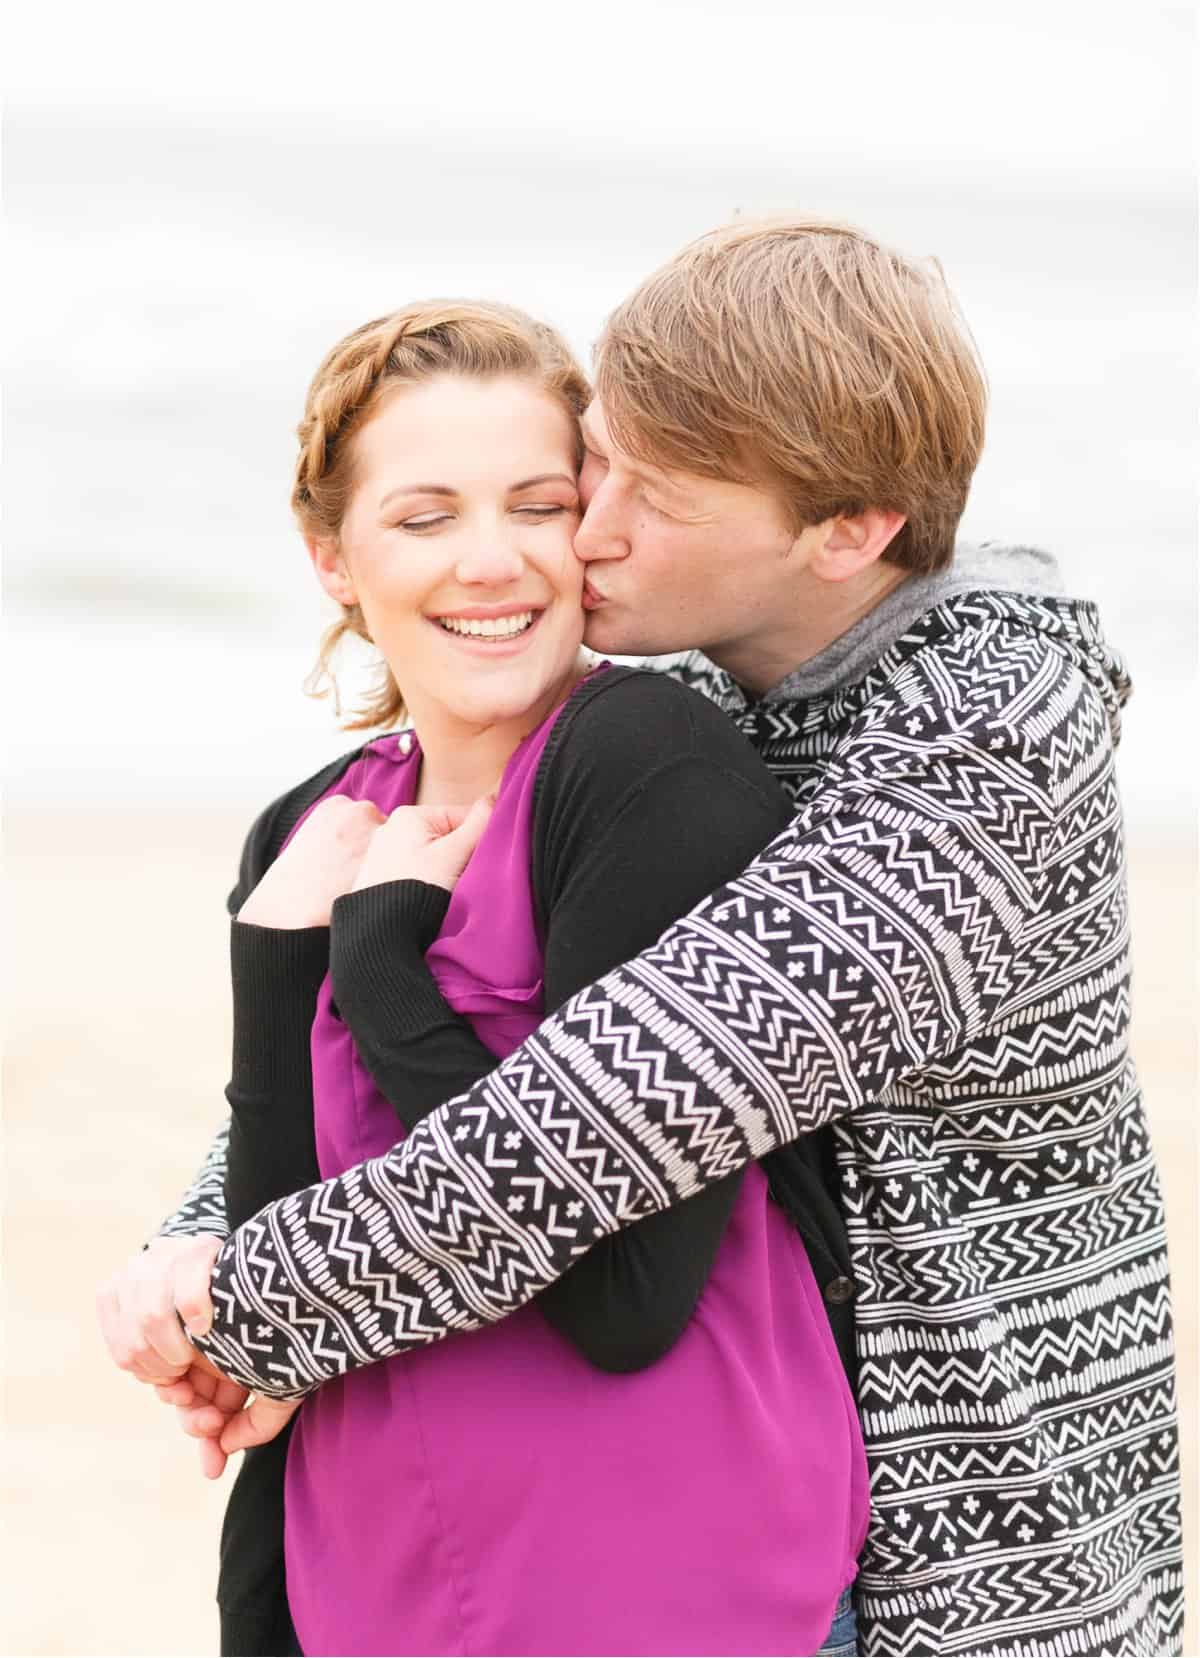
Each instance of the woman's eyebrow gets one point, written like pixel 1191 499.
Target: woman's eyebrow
pixel 417 489
pixel 547 478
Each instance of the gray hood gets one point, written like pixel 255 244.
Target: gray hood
pixel 1023 583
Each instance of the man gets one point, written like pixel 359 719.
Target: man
pixel 933 957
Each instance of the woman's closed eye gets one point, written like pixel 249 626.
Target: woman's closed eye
pixel 537 513
pixel 424 522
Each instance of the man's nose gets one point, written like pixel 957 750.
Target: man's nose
pixel 601 532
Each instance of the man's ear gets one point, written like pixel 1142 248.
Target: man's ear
pixel 852 544
pixel 331 569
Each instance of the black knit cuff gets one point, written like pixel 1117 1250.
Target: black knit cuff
pixel 378 938
pixel 277 973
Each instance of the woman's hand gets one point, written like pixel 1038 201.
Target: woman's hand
pixel 424 843
pixel 140 1307
pixel 318 865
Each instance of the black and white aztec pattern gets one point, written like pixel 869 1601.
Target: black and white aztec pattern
pixel 935 957
pixel 203 1206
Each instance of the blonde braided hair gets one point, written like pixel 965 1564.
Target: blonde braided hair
pixel 473 338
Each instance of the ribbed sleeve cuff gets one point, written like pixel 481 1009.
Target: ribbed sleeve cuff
pixel 277 973
pixel 378 940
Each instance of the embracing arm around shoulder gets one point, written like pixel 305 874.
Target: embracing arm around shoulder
pixel 870 938
pixel 650 800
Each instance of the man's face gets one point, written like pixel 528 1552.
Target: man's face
pixel 673 560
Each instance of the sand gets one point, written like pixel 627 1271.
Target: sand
pixel 117 1037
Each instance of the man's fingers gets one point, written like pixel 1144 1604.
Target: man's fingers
pixel 229 1396
pixel 212 1459
pixel 260 1421
pixel 142 1332
pixel 163 1337
pixel 176 1393
pixel 207 1386
pixel 201 1421
pixel 193 1276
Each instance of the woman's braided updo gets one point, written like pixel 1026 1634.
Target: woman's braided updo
pixel 473 338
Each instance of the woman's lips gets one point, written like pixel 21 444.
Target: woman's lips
pixel 491 644
pixel 591 599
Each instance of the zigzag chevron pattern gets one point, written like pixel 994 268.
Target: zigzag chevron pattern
pixel 934 957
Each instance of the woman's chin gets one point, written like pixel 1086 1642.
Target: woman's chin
pixel 503 704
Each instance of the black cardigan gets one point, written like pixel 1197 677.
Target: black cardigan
pixel 646 798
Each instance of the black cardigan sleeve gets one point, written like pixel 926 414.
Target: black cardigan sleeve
pixel 649 799
pixel 275 974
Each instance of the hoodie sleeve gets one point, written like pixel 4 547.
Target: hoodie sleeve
pixel 874 936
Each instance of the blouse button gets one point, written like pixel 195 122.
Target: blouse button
pixel 405 742
pixel 840 1290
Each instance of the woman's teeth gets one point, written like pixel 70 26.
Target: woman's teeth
pixel 491 627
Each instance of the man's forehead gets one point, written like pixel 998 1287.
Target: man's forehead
pixel 592 420
pixel 596 432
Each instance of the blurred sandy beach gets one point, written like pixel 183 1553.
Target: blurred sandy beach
pixel 116 1064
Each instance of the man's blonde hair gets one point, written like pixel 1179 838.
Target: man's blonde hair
pixel 473 338
pixel 810 360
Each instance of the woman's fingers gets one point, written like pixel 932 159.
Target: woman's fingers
pixel 425 843
pixel 454 849
pixel 317 866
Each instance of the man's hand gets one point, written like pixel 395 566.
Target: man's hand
pixel 221 1415
pixel 424 843
pixel 140 1307
pixel 317 865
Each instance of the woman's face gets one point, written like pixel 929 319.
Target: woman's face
pixel 457 545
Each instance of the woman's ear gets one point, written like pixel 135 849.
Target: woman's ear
pixel 331 569
pixel 851 544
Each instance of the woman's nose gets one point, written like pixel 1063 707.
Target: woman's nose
pixel 491 561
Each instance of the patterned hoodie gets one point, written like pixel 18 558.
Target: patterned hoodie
pixel 934 956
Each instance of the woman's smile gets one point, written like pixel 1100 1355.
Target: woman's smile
pixel 493 628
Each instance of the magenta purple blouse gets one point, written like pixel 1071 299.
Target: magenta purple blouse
pixel 494 1493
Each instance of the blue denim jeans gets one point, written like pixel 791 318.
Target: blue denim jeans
pixel 842 1638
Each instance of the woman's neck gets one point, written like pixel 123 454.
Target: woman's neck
pixel 463 759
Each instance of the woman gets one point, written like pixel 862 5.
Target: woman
pixel 427 1507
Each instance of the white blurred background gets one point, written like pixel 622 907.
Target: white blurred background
pixel 200 202
pixel 197 212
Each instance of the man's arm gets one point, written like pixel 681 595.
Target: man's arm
pixel 202 1207
pixel 876 934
